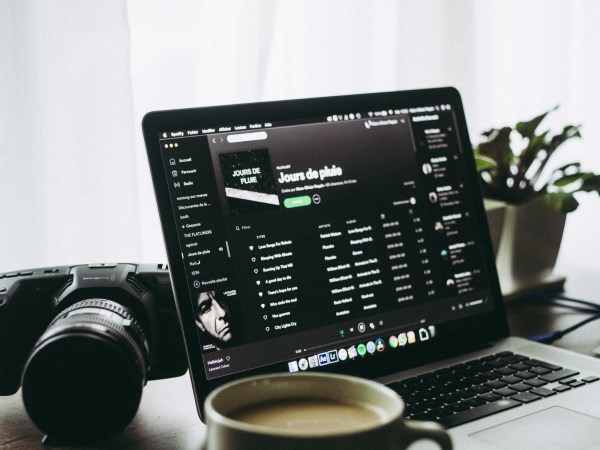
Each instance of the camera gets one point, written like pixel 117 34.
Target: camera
pixel 82 341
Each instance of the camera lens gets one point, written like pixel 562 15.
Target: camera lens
pixel 83 380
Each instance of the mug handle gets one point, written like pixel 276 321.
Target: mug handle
pixel 411 431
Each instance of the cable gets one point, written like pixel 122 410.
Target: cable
pixel 548 338
pixel 590 307
pixel 553 298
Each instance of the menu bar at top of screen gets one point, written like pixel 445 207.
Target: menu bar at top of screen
pixel 427 112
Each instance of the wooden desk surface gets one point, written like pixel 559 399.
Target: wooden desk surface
pixel 167 416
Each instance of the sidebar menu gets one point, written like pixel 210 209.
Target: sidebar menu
pixel 197 211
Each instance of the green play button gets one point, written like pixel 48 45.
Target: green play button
pixel 296 202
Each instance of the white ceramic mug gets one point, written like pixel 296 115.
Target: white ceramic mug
pixel 311 411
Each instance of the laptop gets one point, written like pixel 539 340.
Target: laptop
pixel 347 234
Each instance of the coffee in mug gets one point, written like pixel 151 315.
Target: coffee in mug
pixel 315 411
pixel 310 415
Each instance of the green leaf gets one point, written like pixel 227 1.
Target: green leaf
pixel 562 201
pixel 566 167
pixel 484 163
pixel 526 169
pixel 567 179
pixel 530 153
pixel 568 132
pixel 591 183
pixel 527 129
pixel 497 148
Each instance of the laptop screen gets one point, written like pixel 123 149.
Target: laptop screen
pixel 321 234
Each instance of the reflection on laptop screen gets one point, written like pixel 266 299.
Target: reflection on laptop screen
pixel 321 240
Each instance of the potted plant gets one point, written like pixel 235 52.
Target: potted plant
pixel 513 169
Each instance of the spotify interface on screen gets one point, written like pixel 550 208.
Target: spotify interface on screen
pixel 316 242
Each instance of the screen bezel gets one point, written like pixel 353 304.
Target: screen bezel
pixel 466 333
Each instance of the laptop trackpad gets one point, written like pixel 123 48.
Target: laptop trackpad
pixel 554 427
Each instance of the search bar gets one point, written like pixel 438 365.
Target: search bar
pixel 245 137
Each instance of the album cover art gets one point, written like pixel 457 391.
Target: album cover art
pixel 249 182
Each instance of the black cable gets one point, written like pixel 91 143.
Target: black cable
pixel 553 298
pixel 548 338
pixel 590 307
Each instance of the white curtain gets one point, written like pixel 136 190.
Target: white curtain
pixel 68 163
pixel 77 76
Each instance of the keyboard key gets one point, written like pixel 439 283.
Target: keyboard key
pixel 481 389
pixel 496 384
pixel 590 379
pixel 451 397
pixel 416 409
pixel 526 375
pixel 471 371
pixel 467 393
pixel 562 388
pixel 490 397
pixel 526 397
pixel 444 411
pixel 538 363
pixel 520 387
pixel 431 404
pixel 511 379
pixel 496 364
pixel 511 359
pixel 543 392
pixel 474 362
pixel 445 389
pixel 459 406
pixel 505 392
pixel 424 416
pixel 415 397
pixel 462 384
pixel 535 382
pixel 476 401
pixel 540 370
pixel 491 375
pixel 478 379
pixel 520 366
pixel 430 394
pixel 458 367
pixel 559 375
pixel 437 381
pixel 478 412
pixel 505 371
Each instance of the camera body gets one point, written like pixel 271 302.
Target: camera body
pixel 83 340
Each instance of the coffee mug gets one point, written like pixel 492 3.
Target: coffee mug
pixel 311 411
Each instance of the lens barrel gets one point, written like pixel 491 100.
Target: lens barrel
pixel 83 379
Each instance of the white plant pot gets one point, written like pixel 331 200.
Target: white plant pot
pixel 495 212
pixel 528 247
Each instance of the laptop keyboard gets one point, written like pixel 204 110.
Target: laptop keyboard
pixel 482 387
